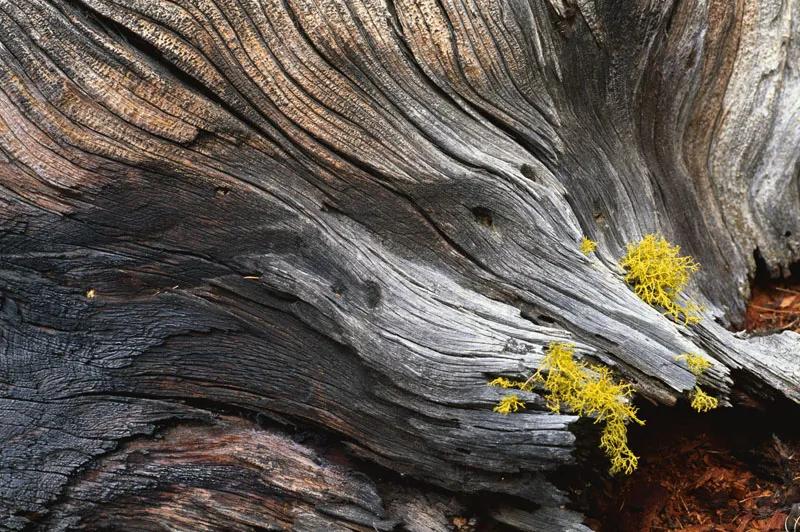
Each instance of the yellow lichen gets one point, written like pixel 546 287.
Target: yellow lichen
pixel 658 275
pixel 588 246
pixel 614 443
pixel 697 364
pixel 586 390
pixel 702 402
pixel 501 382
pixel 525 386
pixel 509 403
pixel 590 390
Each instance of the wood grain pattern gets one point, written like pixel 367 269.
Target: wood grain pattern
pixel 353 213
pixel 251 479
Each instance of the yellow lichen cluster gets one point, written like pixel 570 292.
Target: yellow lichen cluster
pixel 697 364
pixel 658 275
pixel 588 246
pixel 508 404
pixel 585 390
pixel 701 401
pixel 505 383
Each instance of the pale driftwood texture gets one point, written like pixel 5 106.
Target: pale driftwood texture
pixel 352 214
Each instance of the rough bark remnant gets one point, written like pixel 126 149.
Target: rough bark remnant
pixel 353 213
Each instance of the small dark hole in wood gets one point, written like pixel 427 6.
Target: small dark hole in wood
pixel 201 137
pixel 338 289
pixel 787 234
pixel 222 191
pixel 545 319
pixel 483 216
pixel 527 171
pixel 373 292
pixel 331 208
pixel 599 217
pixel 463 451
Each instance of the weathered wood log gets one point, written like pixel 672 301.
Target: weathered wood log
pixel 353 214
pixel 230 476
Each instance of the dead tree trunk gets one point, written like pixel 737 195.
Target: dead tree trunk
pixel 349 215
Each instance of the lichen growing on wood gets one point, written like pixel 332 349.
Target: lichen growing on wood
pixel 701 401
pixel 590 390
pixel 697 364
pixel 586 390
pixel 588 246
pixel 502 382
pixel 658 275
pixel 509 403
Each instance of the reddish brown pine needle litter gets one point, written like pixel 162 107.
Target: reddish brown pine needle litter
pixel 733 470
pixel 698 476
pixel 774 306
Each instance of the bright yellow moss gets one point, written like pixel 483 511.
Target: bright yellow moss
pixel 614 443
pixel 658 275
pixel 697 364
pixel 702 402
pixel 590 390
pixel 501 382
pixel 586 390
pixel 509 403
pixel 525 386
pixel 588 246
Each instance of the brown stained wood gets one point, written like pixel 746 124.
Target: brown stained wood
pixel 354 213
pixel 232 475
